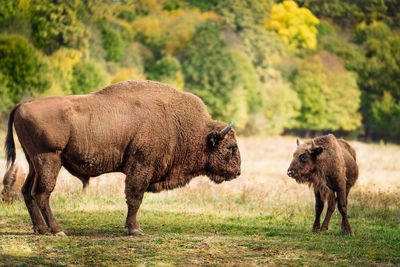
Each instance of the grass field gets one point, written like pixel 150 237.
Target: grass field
pixel 261 218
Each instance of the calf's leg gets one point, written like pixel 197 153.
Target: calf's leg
pixel 319 207
pixel 342 206
pixel 329 212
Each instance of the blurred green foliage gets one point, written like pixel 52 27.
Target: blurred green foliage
pixel 23 70
pixel 55 24
pixel 386 116
pixel 167 70
pixel 210 72
pixel 112 43
pixel 242 14
pixel 270 66
pixel 86 77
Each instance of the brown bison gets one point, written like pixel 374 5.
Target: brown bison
pixel 329 166
pixel 12 182
pixel 158 136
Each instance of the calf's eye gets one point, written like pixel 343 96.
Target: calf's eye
pixel 303 157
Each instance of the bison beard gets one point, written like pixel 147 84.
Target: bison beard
pixel 159 137
pixel 329 166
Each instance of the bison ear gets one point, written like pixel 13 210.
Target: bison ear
pixel 316 150
pixel 213 139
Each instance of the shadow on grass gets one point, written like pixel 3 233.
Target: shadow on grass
pixel 13 260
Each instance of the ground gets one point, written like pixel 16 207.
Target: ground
pixel 261 218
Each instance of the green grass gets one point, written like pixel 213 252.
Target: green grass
pixel 261 218
pixel 199 235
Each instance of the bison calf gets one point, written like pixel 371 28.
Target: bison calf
pixel 12 183
pixel 329 166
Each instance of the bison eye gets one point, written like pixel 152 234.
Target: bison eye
pixel 232 148
pixel 303 158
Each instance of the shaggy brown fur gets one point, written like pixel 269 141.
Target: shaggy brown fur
pixel 12 183
pixel 159 137
pixel 329 166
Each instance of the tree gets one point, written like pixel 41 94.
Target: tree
pixel 329 95
pixel 23 69
pixel 61 62
pixel 282 106
pixel 380 70
pixel 8 9
pixel 55 24
pixel 250 82
pixel 211 73
pixel 242 14
pixel 296 26
pixel 112 43
pixel 263 48
pixel 345 12
pixel 167 70
pixel 86 78
pixel 385 118
pixel 5 100
pixel 170 32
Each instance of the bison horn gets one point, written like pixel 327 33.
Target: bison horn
pixel 312 144
pixel 298 142
pixel 224 131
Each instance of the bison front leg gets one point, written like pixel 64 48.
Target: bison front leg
pixel 329 212
pixel 135 186
pixel 342 206
pixel 319 207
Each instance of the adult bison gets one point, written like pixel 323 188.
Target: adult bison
pixel 329 166
pixel 159 137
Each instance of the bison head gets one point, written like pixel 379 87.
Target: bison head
pixel 303 164
pixel 223 155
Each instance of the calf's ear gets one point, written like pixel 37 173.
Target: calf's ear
pixel 316 151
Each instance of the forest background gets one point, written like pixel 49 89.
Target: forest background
pixel 272 67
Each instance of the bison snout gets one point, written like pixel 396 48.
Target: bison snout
pixel 290 173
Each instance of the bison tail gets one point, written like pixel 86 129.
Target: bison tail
pixel 10 145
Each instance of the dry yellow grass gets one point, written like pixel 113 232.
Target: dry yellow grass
pixel 263 179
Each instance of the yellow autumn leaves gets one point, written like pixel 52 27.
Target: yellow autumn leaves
pixel 295 25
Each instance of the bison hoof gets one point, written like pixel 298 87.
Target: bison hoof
pixel 349 233
pixel 40 230
pixel 324 229
pixel 60 234
pixel 136 232
pixel 315 229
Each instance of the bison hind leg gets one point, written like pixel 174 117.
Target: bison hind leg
pixel 37 221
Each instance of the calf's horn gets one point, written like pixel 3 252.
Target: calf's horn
pixel 298 142
pixel 312 144
pixel 224 131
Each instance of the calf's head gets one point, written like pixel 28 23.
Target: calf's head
pixel 223 155
pixel 304 162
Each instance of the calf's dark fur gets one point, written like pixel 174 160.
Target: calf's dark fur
pixel 329 166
